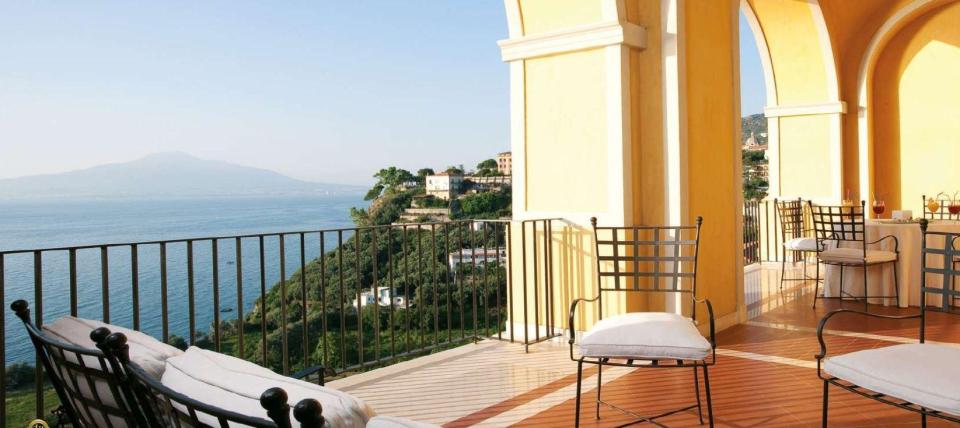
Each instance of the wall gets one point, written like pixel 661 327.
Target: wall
pixel 916 122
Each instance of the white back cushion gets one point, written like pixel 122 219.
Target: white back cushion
pixel 149 353
pixel 235 385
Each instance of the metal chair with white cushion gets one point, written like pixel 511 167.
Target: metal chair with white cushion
pixel 839 225
pixel 659 260
pixel 796 238
pixel 920 377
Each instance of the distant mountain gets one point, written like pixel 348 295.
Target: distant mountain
pixel 755 124
pixel 171 174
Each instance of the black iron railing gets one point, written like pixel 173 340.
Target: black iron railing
pixel 350 299
pixel 762 237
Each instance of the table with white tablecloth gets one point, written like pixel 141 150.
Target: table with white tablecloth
pixel 880 279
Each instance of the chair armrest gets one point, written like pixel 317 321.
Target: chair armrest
pixel 896 242
pixel 713 331
pixel 831 314
pixel 573 311
pixel 302 374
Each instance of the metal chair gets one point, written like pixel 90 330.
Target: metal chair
pixel 919 377
pixel 656 260
pixel 942 212
pixel 847 224
pixel 795 237
pixel 164 407
pixel 90 391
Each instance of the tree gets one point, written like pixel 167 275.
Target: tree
pixel 454 170
pixel 487 164
pixel 423 172
pixel 387 180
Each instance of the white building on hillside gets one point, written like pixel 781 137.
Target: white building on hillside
pixel 382 298
pixel 444 185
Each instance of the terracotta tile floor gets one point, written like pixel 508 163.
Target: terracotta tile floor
pixel 765 375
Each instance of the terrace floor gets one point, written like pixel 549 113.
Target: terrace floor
pixel 765 374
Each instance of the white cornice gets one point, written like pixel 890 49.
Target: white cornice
pixel 834 107
pixel 574 39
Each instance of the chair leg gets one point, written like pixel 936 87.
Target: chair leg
pixel 816 285
pixel 804 260
pixel 896 283
pixel 696 389
pixel 840 294
pixel 576 415
pixel 826 402
pixel 599 386
pixel 783 269
pixel 706 384
pixel 866 290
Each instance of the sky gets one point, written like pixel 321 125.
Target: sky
pixel 322 91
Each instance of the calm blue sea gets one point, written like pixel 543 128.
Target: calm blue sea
pixel 29 225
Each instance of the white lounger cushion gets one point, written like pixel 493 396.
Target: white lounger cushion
pixel 855 255
pixel 649 335
pixel 149 353
pixel 393 422
pixel 801 244
pixel 234 384
pixel 922 374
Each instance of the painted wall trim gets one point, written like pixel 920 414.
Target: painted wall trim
pixel 573 39
pixel 833 107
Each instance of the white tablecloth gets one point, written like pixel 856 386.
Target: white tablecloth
pixel 880 279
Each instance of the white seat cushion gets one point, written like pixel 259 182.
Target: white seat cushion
pixel 855 255
pixel 394 422
pixel 645 335
pixel 149 353
pixel 922 374
pixel 234 384
pixel 801 244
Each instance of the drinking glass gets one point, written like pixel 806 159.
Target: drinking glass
pixel 879 207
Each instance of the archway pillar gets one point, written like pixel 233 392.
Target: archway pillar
pixel 628 113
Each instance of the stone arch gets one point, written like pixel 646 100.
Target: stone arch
pixel 881 38
pixel 801 74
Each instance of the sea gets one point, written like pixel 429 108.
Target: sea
pixel 27 225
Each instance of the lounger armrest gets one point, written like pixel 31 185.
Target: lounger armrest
pixel 573 311
pixel 713 331
pixel 896 242
pixel 323 371
pixel 823 323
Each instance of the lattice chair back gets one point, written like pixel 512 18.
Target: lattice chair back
pixel 792 224
pixel 941 271
pixel 165 407
pixel 89 385
pixel 647 259
pixel 942 211
pixel 839 224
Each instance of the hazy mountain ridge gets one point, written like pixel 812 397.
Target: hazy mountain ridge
pixel 171 174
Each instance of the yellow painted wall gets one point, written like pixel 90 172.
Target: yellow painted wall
pixel 540 16
pixel 566 132
pixel 713 129
pixel 916 124
pixel 795 50
pixel 804 156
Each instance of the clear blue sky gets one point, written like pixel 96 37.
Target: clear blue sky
pixel 325 91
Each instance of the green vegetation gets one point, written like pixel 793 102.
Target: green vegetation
pixel 754 184
pixel 487 168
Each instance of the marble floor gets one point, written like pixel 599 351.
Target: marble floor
pixel 765 373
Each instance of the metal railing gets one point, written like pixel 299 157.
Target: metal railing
pixel 349 298
pixel 762 238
